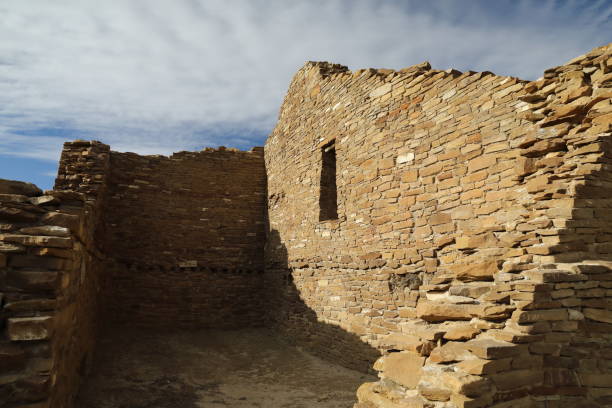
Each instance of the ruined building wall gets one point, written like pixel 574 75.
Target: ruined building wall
pixel 454 227
pixel 186 236
pixel 575 162
pixel 49 269
pixel 89 254
pixel 81 186
pixel 467 207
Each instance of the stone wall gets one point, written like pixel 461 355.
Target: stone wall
pixel 451 231
pixel 186 236
pixel 49 268
pixel 150 241
pixel 469 206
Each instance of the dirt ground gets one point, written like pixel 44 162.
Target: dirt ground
pixel 213 369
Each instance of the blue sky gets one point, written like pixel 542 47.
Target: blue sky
pixel 158 76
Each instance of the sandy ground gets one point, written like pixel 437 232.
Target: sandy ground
pixel 213 369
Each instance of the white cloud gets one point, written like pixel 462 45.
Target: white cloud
pixel 156 76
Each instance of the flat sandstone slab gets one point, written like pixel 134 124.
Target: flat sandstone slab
pixel 213 369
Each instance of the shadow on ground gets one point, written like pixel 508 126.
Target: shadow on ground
pixel 296 321
pixel 210 368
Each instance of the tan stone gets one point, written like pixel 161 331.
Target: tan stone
pixel 407 342
pixel 460 331
pixel 467 384
pixel 31 240
pixel 478 366
pixel 599 380
pixel 434 392
pixel 449 352
pixel 517 379
pixel 19 188
pixel 49 230
pixel 531 316
pixel 69 221
pixel 476 271
pixel 439 312
pixel 492 349
pixel 481 163
pixel 29 328
pixel 404 368
pixel 461 401
pixel 44 200
pixel 380 91
pixel 600 315
pixel 371 395
pixel 479 241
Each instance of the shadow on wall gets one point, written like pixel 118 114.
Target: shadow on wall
pixel 295 320
pixel 587 236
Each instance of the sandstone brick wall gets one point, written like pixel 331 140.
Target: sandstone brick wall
pixel 468 207
pixel 48 295
pixel 468 259
pixel 186 235
pixel 205 206
pixel 151 241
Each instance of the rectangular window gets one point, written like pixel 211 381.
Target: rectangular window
pixel 328 198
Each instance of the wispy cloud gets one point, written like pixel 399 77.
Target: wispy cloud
pixel 156 76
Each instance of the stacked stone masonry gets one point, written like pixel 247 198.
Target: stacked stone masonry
pixel 186 234
pixel 468 260
pixel 473 232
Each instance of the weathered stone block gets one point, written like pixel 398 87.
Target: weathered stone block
pixel 19 187
pixel 484 271
pixel 69 221
pixel 50 230
pixel 532 316
pixel 13 198
pixel 29 328
pixel 467 384
pixel 407 342
pixel 17 215
pixel 460 331
pixel 404 368
pixel 32 280
pixel 12 357
pixel 492 349
pixel 44 200
pixel 553 276
pixel 39 262
pixel 478 366
pixel 449 352
pixel 439 312
pixel 32 240
pixel 517 379
pixel 600 315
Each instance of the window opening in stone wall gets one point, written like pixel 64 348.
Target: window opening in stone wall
pixel 328 198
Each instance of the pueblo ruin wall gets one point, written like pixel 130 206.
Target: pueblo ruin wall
pixel 469 235
pixel 450 231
